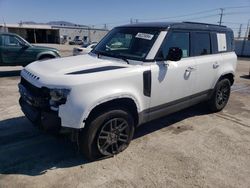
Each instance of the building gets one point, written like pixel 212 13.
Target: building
pixel 87 34
pixel 40 33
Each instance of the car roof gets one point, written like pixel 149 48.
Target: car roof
pixel 179 25
pixel 6 33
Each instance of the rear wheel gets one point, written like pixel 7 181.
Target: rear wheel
pixel 220 96
pixel 107 134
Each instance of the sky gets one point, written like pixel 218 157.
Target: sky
pixel 114 12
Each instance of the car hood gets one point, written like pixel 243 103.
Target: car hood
pixel 88 67
pixel 44 48
pixel 71 65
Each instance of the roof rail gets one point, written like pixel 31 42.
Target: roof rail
pixel 205 24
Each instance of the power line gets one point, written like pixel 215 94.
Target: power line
pixel 233 13
pixel 233 23
pixel 221 14
pixel 236 7
pixel 197 18
pixel 180 16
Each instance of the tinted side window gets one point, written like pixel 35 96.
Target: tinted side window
pixel 214 42
pixel 202 44
pixel 230 41
pixel 10 41
pixel 179 40
pixel 220 45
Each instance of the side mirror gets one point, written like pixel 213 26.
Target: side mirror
pixel 174 54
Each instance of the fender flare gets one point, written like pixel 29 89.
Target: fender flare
pixel 225 73
pixel 99 102
pixel 49 53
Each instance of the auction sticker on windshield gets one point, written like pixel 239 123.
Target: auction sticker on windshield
pixel 144 36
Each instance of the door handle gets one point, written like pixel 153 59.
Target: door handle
pixel 190 69
pixel 216 65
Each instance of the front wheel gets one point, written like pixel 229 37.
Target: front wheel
pixel 108 134
pixel 220 96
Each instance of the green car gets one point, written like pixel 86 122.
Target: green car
pixel 14 50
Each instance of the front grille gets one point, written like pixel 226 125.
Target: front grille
pixel 35 91
pixel 37 97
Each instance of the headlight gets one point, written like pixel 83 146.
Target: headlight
pixel 59 95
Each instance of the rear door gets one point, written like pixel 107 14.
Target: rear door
pixel 207 60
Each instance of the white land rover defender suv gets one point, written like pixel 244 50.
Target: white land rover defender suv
pixel 135 74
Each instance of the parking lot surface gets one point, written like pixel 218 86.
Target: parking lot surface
pixel 191 148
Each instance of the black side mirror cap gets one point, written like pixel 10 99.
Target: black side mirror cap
pixel 174 54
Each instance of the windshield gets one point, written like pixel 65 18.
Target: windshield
pixel 130 43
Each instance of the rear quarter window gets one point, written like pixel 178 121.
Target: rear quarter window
pixel 222 42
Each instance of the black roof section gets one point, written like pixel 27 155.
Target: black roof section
pixel 179 25
pixel 6 33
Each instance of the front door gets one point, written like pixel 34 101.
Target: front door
pixel 12 50
pixel 172 82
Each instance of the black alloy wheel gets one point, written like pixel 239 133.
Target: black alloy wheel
pixel 222 94
pixel 106 133
pixel 113 137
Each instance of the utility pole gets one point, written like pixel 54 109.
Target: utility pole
pixel 105 26
pixel 131 20
pixel 89 40
pixel 239 33
pixel 221 15
pixel 248 30
pixel 4 26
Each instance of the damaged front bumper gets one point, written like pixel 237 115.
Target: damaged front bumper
pixel 35 105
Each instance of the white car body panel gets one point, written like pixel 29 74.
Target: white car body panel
pixel 170 80
pixel 174 76
pixel 85 88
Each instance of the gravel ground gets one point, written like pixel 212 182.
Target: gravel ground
pixel 191 148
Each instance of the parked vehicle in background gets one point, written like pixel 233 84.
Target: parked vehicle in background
pixel 76 42
pixel 84 50
pixel 14 50
pixel 135 74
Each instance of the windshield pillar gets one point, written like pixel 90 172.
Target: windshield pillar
pixel 156 46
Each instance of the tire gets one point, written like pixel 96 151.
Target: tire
pixel 220 95
pixel 106 134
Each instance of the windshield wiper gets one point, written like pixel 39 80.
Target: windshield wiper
pixel 124 59
pixel 98 53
